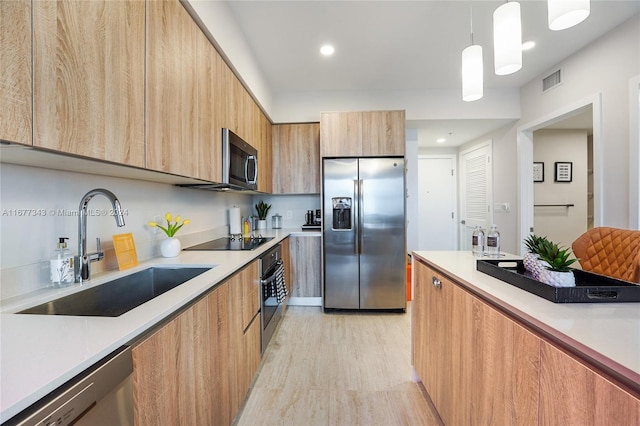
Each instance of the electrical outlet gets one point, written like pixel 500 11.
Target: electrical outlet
pixel 289 215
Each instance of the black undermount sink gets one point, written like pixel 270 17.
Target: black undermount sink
pixel 120 295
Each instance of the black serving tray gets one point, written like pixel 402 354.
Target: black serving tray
pixel 590 287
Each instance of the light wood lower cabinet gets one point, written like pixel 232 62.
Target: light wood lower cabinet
pixel 197 368
pixel 305 266
pixel 573 394
pixel 476 364
pixel 481 367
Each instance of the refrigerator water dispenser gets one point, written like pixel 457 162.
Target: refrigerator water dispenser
pixel 341 213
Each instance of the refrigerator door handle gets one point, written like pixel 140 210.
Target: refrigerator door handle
pixel 360 235
pixel 355 215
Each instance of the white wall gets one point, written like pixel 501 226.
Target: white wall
pixel 412 211
pixel 561 225
pixel 28 239
pixel 419 104
pixel 605 67
pixel 504 169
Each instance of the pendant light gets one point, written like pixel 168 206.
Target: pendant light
pixel 472 71
pixel 564 14
pixel 507 38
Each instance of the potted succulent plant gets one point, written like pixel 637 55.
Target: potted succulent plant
pixel 263 209
pixel 531 260
pixel 557 273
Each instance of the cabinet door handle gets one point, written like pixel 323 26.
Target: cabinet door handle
pixel 436 282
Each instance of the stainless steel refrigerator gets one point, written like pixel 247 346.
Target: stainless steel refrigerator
pixel 364 243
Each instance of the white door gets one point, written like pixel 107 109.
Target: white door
pixel 476 198
pixel 437 202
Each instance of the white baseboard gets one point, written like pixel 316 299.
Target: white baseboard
pixel 304 301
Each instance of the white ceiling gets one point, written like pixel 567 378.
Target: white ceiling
pixel 403 45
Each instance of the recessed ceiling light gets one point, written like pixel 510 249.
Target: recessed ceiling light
pixel 528 45
pixel 327 50
pixel 441 140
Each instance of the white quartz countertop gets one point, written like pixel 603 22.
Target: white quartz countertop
pixel 39 353
pixel 607 334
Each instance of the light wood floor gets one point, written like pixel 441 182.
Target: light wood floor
pixel 337 369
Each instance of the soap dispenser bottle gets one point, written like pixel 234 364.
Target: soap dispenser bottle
pixel 61 265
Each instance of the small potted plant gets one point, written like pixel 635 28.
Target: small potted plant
pixel 263 209
pixel 171 246
pixel 557 273
pixel 531 260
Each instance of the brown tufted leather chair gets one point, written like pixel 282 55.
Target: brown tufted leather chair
pixel 608 251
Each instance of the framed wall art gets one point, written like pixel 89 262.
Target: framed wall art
pixel 564 171
pixel 538 172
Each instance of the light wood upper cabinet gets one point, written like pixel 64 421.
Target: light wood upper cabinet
pixel 573 394
pixel 265 151
pixel 383 133
pixel 88 78
pixel 15 72
pixel 296 158
pixel 362 134
pixel 172 77
pixel 207 153
pixel 341 134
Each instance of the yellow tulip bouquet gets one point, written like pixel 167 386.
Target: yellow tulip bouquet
pixel 172 227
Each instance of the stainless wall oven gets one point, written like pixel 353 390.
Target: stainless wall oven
pixel 274 291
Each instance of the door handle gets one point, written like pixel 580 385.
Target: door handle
pixel 463 222
pixel 361 214
pixel 255 170
pixel 356 211
pixel 436 282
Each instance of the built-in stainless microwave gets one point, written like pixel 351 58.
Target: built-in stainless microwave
pixel 239 162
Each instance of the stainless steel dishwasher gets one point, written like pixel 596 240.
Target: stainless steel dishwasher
pixel 102 395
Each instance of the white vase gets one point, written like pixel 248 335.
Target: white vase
pixel 170 247
pixel 557 278
pixel 262 224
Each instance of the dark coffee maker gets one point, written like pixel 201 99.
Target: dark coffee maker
pixel 310 217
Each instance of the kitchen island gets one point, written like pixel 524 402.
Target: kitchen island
pixel 489 351
pixel 39 353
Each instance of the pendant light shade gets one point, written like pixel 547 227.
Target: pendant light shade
pixel 507 38
pixel 564 14
pixel 472 73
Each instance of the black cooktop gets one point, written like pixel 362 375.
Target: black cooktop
pixel 232 243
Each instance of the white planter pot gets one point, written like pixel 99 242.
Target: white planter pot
pixel 557 279
pixel 262 224
pixel 528 260
pixel 170 247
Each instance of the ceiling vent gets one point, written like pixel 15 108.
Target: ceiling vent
pixel 551 81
